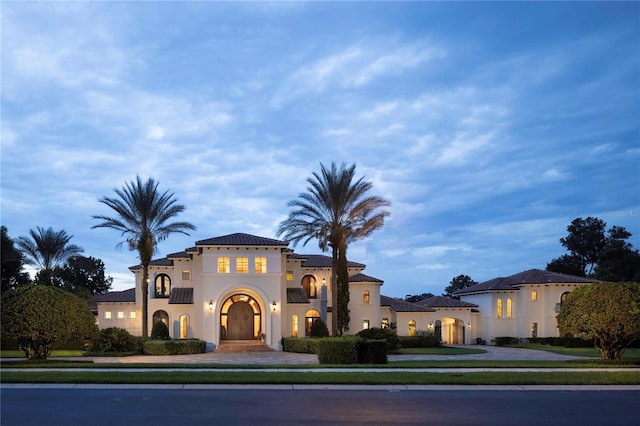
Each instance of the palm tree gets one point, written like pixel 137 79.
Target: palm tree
pixel 46 249
pixel 142 213
pixel 336 211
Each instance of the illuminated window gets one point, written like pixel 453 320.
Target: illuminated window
pixel 509 308
pixel 184 327
pixel 385 322
pixel 161 316
pixel 534 329
pixel 412 327
pixel 499 308
pixel 242 265
pixel 365 297
pixel 107 315
pixel 294 326
pixel 534 295
pixel 309 318
pixel 120 315
pixel 309 286
pixel 163 285
pixel 365 324
pixel 289 275
pixel 261 265
pixel 563 297
pixel 223 265
pixel 186 275
pixel 132 314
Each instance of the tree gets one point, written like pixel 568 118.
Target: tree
pixel 46 249
pixel 142 215
pixel 609 313
pixel 336 211
pixel 417 297
pixel 12 260
pixel 83 276
pixel 458 283
pixel 618 261
pixel 567 264
pixel 39 316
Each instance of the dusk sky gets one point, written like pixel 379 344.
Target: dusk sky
pixel 488 126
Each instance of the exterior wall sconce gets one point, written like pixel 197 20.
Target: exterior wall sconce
pixel 211 305
pixel 469 326
pixel 430 325
pixel 324 281
pixel 273 306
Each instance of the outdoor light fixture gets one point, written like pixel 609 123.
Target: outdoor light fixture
pixel 211 305
pixel 273 306
pixel 469 326
pixel 324 281
pixel 430 325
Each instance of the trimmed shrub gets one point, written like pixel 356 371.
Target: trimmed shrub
pixel 338 350
pixel 160 331
pixel 428 339
pixel 425 341
pixel 174 347
pixel 505 340
pixel 319 329
pixel 372 351
pixel 114 339
pixel 387 334
pixel 300 345
pixel 566 341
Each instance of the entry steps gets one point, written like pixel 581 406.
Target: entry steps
pixel 242 346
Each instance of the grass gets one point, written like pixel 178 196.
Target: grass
pixel 443 350
pixel 631 353
pixel 54 353
pixel 351 378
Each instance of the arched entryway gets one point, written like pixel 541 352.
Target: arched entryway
pixel 240 318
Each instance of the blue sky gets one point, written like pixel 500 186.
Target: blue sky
pixel 489 126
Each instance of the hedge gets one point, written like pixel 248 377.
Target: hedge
pixel 372 351
pixel 419 341
pixel 338 350
pixel 175 347
pixel 302 345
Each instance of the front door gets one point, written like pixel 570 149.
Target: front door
pixel 240 321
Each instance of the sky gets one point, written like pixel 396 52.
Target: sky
pixel 488 126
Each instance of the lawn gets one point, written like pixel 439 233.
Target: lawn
pixel 632 353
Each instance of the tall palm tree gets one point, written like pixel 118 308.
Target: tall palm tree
pixel 336 210
pixel 46 249
pixel 142 213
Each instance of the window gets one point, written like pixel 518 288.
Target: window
pixel 261 265
pixel 289 275
pixel 509 308
pixel 163 285
pixel 294 326
pixel 309 318
pixel 534 295
pixel 412 327
pixel 385 323
pixel 107 315
pixel 242 265
pixel 161 316
pixel 534 329
pixel 184 327
pixel 132 314
pixel 365 324
pixel 365 297
pixel 120 315
pixel 186 275
pixel 499 308
pixel 563 297
pixel 309 286
pixel 223 265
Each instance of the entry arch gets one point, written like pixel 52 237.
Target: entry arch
pixel 240 318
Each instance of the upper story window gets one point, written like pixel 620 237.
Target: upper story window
pixel 120 314
pixel 260 264
pixel 289 275
pixel 132 314
pixel 186 275
pixel 309 286
pixel 534 295
pixel 223 265
pixel 107 315
pixel 163 285
pixel 366 297
pixel 499 308
pixel 242 265
pixel 509 308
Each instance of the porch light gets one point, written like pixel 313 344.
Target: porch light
pixel 324 281
pixel 430 325
pixel 211 305
pixel 469 326
pixel 273 306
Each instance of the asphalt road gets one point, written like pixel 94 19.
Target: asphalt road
pixel 114 405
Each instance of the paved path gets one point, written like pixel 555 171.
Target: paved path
pixel 496 353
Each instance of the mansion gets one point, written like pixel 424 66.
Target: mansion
pixel 246 287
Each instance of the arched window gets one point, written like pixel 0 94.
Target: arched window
pixel 294 326
pixel 365 297
pixel 163 285
pixel 309 286
pixel 412 327
pixel 509 308
pixel 161 316
pixel 309 318
pixel 184 327
pixel 499 308
pixel 563 297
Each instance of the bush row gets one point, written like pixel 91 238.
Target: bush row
pixel 174 347
pixel 300 345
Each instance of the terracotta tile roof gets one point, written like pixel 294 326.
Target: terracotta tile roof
pixel 157 262
pixel 321 261
pixel 532 276
pixel 399 305
pixel 362 278
pixel 117 296
pixel 444 302
pixel 180 254
pixel 240 239
pixel 181 296
pixel 296 295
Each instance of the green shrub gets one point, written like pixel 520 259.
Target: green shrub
pixel 319 329
pixel 160 331
pixel 114 339
pixel 338 350
pixel 174 347
pixel 505 340
pixel 372 351
pixel 375 333
pixel 300 345
pixel 422 339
